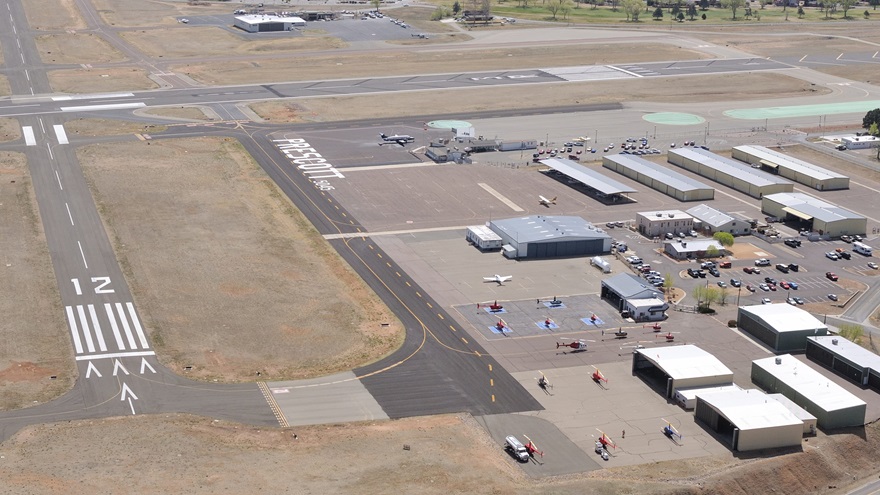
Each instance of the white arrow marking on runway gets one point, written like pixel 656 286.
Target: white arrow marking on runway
pixel 116 366
pixel 92 368
pixel 125 390
pixel 145 364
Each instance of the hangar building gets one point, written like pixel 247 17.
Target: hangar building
pixel 709 220
pixel 540 236
pixel 731 173
pixel 808 419
pixel 669 182
pixel 680 366
pixel 260 23
pixel 783 327
pixel 822 217
pixel 833 406
pixel 849 359
pixel 791 168
pixel 604 187
pixel 749 419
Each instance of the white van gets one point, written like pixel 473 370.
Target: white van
pixel 516 449
pixel 861 248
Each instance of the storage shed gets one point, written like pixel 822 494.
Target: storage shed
pixel 732 173
pixel 680 366
pixel 833 406
pixel 783 327
pixel 483 238
pixel 815 214
pixel 791 168
pixel 848 359
pixel 669 182
pixel 749 419
pixel 540 236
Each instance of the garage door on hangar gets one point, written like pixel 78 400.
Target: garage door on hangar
pixel 568 248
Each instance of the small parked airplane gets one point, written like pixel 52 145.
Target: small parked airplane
pixel 400 139
pixel 498 278
pixel 546 202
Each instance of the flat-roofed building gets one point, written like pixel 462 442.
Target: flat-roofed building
pixel 669 182
pixel 791 168
pixel 709 220
pixel 687 397
pixel 808 419
pixel 660 223
pixel 683 249
pixel 749 419
pixel 540 236
pixel 861 142
pixel 732 173
pixel 604 187
pixel 680 366
pixel 626 286
pixel 847 358
pixel 783 327
pixel 816 215
pixel 262 23
pixel 833 406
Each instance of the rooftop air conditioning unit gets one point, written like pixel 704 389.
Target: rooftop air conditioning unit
pixel 834 341
pixel 779 360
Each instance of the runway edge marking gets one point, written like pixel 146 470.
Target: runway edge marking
pixel 276 410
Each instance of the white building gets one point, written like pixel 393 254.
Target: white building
pixel 260 23
pixel 680 366
pixel 861 142
pixel 693 248
pixel 749 419
pixel 783 327
pixel 659 223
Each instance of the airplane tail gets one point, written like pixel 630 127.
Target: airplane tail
pixel 553 200
pixel 383 135
pixel 557 345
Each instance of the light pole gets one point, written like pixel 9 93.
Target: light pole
pixel 738 292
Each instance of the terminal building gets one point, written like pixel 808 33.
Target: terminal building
pixel 708 220
pixel 731 173
pixel 791 168
pixel 749 419
pixel 603 187
pixel 680 366
pixel 660 223
pixel 260 23
pixel 848 359
pixel 685 249
pixel 669 182
pixel 815 214
pixel 540 236
pixel 832 406
pixel 782 327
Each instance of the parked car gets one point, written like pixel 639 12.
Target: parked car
pixel 764 287
pixel 846 238
pixel 833 297
pixel 736 283
pixel 831 255
pixel 750 288
pixel 793 285
pixel 707 264
pixel 799 300
pixel 784 285
pixel 721 284
pixel 794 267
pixel 791 301
pixel 831 276
pixel 872 265
pixel 766 300
pixel 724 264
pixel 762 262
pixel 845 255
pixel 770 280
pixel 748 269
pixel 693 233
pixel 772 287
pixel 714 272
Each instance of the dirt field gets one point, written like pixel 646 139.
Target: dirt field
pixel 206 42
pixel 107 79
pixel 108 127
pixel 34 343
pixel 188 113
pixel 81 48
pixel 447 454
pixel 51 15
pixel 864 73
pixel 230 278
pixel 4 86
pixel 10 130
pixel 137 13
pixel 702 88
pixel 391 63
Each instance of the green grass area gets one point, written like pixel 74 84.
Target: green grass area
pixel 587 14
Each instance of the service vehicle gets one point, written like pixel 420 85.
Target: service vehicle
pixel 516 448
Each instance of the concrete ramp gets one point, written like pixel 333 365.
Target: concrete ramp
pixel 339 398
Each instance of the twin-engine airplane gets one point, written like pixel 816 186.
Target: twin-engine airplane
pixel 400 139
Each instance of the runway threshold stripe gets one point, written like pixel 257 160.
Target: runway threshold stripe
pixel 108 308
pixel 74 331
pixel 96 326
pixel 137 326
pixel 84 324
pixel 499 196
pixel 62 136
pixel 29 138
pixel 125 327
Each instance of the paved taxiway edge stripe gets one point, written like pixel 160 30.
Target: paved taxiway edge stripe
pixel 351 235
pixel 279 415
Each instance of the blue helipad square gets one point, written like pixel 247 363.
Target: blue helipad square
pixel 545 326
pixel 494 312
pixel 589 321
pixel 495 329
pixel 550 305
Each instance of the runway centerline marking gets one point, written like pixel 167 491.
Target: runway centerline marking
pixel 83 254
pixel 499 196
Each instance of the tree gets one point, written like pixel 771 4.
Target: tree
pixel 874 130
pixel 801 12
pixel 828 7
pixel 872 117
pixel 722 296
pixel 658 14
pixel 692 11
pixel 632 9
pixel 376 4
pixel 668 283
pixel 565 8
pixel 748 12
pixel 851 332
pixel 703 17
pixel 704 4
pixel 846 5
pixel 712 252
pixel 733 6
pixel 875 3
pixel 554 6
pixel 725 238
pixel 705 296
pixel 680 17
pixel 456 8
pixel 676 9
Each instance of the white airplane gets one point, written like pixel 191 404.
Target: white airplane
pixel 498 279
pixel 400 139
pixel 546 202
pixel 581 139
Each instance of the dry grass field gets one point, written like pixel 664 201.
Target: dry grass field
pixel 34 343
pixel 5 90
pixel 80 48
pixel 229 276
pixel 108 127
pixel 10 130
pixel 107 79
pixel 139 13
pixel 53 15
pixel 186 113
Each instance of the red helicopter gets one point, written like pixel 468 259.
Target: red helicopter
pixel 598 376
pixel 501 326
pixel 655 327
pixel 576 346
pixel 605 440
pixel 494 307
pixel 669 337
pixel 532 448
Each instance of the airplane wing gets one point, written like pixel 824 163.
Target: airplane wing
pixel 505 278
pixel 490 279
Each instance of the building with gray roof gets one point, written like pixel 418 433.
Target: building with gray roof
pixel 708 220
pixel 731 173
pixel 815 215
pixel 669 182
pixel 604 186
pixel 791 168
pixel 847 358
pixel 540 236
pixel 624 286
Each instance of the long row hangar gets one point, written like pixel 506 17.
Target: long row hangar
pixel 848 359
pixel 832 406
pixel 658 177
pixel 782 327
pixel 540 236
pixel 791 168
pixel 731 173
pixel 814 214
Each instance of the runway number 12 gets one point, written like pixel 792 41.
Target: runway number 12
pixel 100 284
